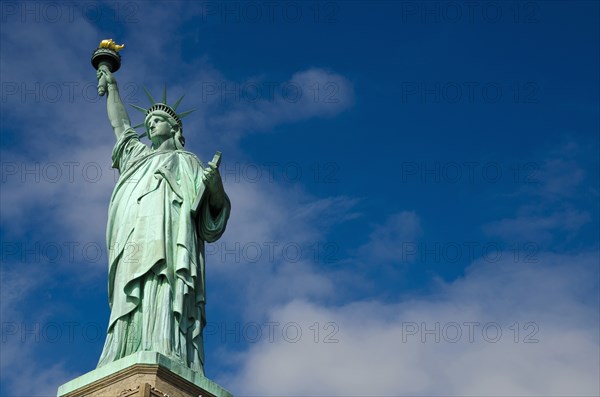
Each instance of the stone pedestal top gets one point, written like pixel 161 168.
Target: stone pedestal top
pixel 143 374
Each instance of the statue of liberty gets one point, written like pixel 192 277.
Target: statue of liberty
pixel 165 206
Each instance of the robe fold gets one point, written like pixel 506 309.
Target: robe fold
pixel 159 219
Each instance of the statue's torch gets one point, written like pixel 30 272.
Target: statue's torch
pixel 106 56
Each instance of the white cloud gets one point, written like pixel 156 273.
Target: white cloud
pixel 379 352
pixel 310 93
pixel 388 242
pixel 327 211
pixel 555 184
pixel 559 177
pixel 538 228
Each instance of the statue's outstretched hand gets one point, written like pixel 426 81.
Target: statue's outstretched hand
pixel 105 78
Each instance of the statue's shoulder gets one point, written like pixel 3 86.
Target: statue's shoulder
pixel 191 157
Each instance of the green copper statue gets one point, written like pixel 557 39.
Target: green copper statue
pixel 164 207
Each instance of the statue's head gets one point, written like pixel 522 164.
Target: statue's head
pixel 162 120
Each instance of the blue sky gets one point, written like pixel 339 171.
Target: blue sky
pixel 414 185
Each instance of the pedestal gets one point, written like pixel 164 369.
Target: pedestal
pixel 143 374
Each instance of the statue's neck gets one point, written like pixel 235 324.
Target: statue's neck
pixel 166 145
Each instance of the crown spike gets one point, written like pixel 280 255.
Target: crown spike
pixel 152 101
pixel 164 97
pixel 141 109
pixel 182 115
pixel 178 102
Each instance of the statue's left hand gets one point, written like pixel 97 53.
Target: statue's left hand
pixel 212 180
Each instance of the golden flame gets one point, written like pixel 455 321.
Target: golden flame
pixel 110 44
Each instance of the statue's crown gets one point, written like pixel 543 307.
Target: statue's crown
pixel 161 107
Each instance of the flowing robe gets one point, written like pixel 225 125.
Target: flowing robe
pixel 159 219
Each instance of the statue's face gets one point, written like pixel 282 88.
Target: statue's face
pixel 159 127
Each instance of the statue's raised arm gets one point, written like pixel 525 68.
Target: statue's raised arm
pixel 119 119
pixel 106 60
